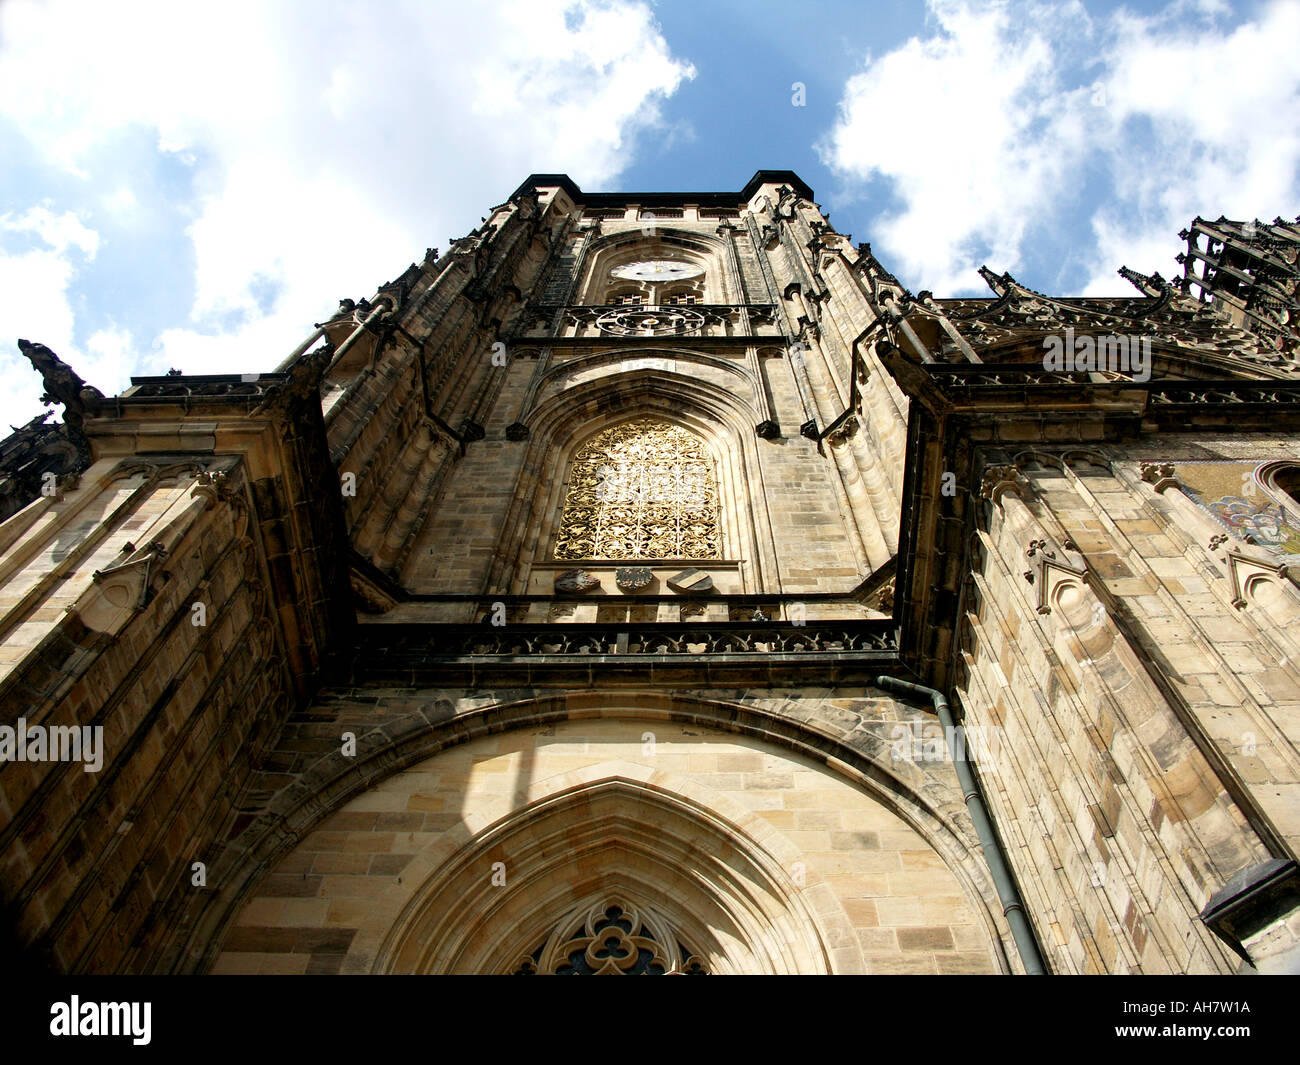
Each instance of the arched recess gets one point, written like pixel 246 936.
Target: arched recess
pixel 1282 481
pixel 708 253
pixel 764 860
pixel 623 830
pixel 264 850
pixel 559 425
pixel 614 360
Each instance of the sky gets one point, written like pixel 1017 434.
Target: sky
pixel 194 185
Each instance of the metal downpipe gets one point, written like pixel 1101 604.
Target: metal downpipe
pixel 1012 906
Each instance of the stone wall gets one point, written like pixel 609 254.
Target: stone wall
pixel 139 607
pixel 1137 654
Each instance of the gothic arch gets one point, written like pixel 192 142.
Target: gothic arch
pixel 328 787
pixel 620 829
pixel 1282 480
pixel 683 292
pixel 613 358
pixel 564 830
pixel 617 249
pixel 560 423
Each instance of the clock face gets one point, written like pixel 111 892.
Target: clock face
pixel 657 270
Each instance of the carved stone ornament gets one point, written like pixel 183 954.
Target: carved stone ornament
pixel 633 578
pixel 612 938
pixel 62 385
pixel 650 322
pixel 691 580
pixel 577 581
pixel 1035 546
pixel 1245 570
pixel 844 431
pixel 639 490
pixel 998 479
pixel 1160 475
pixel 121 590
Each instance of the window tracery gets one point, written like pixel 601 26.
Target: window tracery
pixel 641 489
pixel 612 938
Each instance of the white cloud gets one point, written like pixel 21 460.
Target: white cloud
pixel 41 254
pixel 1225 112
pixel 1007 120
pixel 59 231
pixel 121 202
pixel 975 131
pixel 109 355
pixel 330 143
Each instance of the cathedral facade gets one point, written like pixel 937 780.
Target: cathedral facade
pixel 653 584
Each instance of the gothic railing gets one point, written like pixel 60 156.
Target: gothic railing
pixel 660 320
pixel 987 377
pixel 830 650
pixel 1245 392
pixel 973 376
pixel 205 386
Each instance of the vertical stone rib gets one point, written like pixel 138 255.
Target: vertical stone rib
pixel 402 525
pixel 884 499
pixel 398 485
pixel 861 513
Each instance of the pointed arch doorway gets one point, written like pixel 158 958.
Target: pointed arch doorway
pixel 535 841
pixel 615 876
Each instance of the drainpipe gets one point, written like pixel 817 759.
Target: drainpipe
pixel 1012 908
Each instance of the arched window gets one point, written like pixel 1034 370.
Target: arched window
pixel 1283 479
pixel 1286 478
pixel 640 489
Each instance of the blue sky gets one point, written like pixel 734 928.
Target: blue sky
pixel 194 185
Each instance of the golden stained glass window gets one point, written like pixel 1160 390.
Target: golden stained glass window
pixel 641 489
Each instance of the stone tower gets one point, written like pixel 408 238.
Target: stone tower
pixel 652 583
